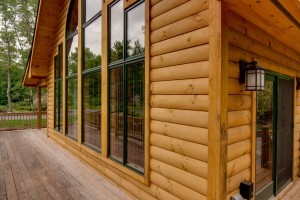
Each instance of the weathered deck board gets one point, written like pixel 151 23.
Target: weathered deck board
pixel 35 167
pixel 293 193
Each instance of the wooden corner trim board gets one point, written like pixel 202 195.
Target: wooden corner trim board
pixel 218 87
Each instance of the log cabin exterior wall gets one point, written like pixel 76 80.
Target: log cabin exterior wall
pixel 246 41
pixel 179 104
pixel 179 97
pixel 182 104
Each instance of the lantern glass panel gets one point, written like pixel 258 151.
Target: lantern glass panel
pixel 251 79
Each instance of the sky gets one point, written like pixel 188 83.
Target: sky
pixel 135 18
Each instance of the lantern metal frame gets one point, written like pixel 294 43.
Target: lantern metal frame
pixel 247 68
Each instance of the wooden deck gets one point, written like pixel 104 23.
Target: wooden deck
pixel 33 166
pixel 294 192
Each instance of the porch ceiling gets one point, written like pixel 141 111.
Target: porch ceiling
pixel 45 28
pixel 279 18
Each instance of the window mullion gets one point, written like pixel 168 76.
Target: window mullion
pixel 124 89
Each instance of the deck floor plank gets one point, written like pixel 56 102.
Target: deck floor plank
pixel 2 180
pixel 33 166
pixel 31 189
pixel 18 179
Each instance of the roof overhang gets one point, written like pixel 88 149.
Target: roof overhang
pixel 41 51
pixel 279 18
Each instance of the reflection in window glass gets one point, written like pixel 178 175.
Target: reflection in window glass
pixel 72 108
pixel 264 135
pixel 58 64
pixel 92 109
pixel 73 18
pixel 136 30
pixel 135 115
pixel 92 43
pixel 60 57
pixel 57 67
pixel 92 8
pixel 72 52
pixel 61 106
pixel 116 31
pixel 57 106
pixel 116 113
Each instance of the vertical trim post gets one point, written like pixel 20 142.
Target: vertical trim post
pixel 218 95
pixel 39 106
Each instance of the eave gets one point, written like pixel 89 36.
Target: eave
pixel 279 18
pixel 43 38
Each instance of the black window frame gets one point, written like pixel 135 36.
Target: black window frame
pixel 86 72
pixel 58 80
pixel 69 77
pixel 126 60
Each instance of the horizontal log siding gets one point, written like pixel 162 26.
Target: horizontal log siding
pixel 179 98
pixel 246 42
pixel 58 39
pixel 179 134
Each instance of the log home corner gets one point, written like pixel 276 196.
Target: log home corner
pixel 148 92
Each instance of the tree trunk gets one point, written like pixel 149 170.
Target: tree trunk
pixel 9 79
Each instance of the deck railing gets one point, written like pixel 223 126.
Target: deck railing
pixel 22 120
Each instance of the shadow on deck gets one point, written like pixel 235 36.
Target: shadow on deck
pixel 35 167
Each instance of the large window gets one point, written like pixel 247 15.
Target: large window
pixel 58 87
pixel 91 74
pixel 71 70
pixel 126 84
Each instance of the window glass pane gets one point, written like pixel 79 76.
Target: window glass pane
pixel 136 31
pixel 57 67
pixel 72 108
pixel 73 18
pixel 92 109
pixel 56 86
pixel 116 113
pixel 72 52
pixel 92 8
pixel 60 57
pixel 264 135
pixel 135 115
pixel 60 106
pixel 116 32
pixel 92 43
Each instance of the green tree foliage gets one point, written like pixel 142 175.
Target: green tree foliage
pixel 91 60
pixel 265 104
pixel 17 19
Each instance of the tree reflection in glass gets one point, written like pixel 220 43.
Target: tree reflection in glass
pixel 116 113
pixel 136 31
pixel 135 115
pixel 116 32
pixel 72 55
pixel 72 108
pixel 92 45
pixel 92 109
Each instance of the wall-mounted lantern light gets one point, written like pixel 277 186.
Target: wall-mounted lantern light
pixel 252 75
